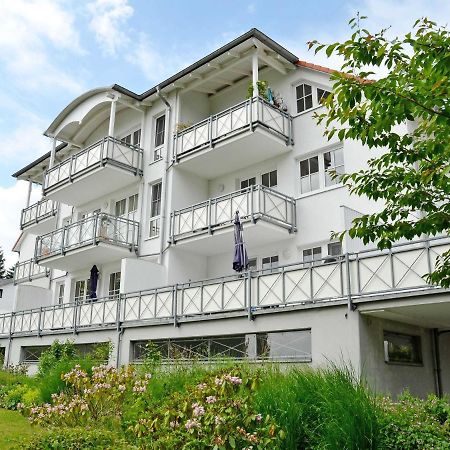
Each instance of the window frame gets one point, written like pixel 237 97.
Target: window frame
pixel 129 137
pixel 304 96
pixel 315 88
pixel 114 293
pixel 158 146
pixel 155 219
pixel 416 341
pixel 333 166
pixel 312 250
pixel 270 174
pixel 59 298
pixel 85 297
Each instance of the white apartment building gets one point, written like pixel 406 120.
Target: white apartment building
pixel 145 188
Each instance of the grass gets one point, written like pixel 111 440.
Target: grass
pixel 14 428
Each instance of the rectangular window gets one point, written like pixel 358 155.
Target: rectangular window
pixel 60 293
pixel 312 254
pixel 137 137
pixel 127 139
pixel 81 290
pixel 160 125
pixel 270 262
pixel 402 348
pixel 120 208
pixel 114 285
pixel 322 94
pixel 309 174
pixel 333 161
pixel 252 264
pixel 133 203
pixel 284 345
pixel 335 249
pixel 304 97
pixel 249 182
pixel 269 179
pixel 155 209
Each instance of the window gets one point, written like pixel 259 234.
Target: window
pixel 127 139
pixel 333 160
pixel 309 174
pixel 133 203
pixel 60 293
pixel 252 264
pixel 133 138
pixel 155 209
pixel 249 182
pixel 269 179
pixel 81 290
pixel 120 207
pixel 284 345
pixel 114 285
pixel 322 94
pixel 402 348
pixel 304 97
pixel 312 254
pixel 159 131
pixel 270 262
pixel 335 249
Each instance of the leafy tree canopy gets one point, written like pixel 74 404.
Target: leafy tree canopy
pixel 412 175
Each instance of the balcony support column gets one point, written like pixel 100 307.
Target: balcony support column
pixel 255 74
pixel 52 154
pixel 30 187
pixel 112 118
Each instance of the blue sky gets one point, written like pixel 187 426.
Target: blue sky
pixel 53 50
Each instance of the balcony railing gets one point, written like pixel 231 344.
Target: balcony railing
pixel 28 271
pixel 343 280
pixel 244 116
pixel 253 203
pixel 100 227
pixel 38 212
pixel 109 150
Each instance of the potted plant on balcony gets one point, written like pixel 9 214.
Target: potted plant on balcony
pixel 105 222
pixel 263 88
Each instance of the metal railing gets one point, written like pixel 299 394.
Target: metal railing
pixel 253 203
pixel 100 227
pixel 28 271
pixel 348 278
pixel 247 115
pixel 108 150
pixel 39 211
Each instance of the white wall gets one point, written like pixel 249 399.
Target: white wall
pixel 8 296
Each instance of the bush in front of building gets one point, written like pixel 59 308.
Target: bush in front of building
pixel 411 423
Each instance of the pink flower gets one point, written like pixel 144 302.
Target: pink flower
pixel 201 386
pixel 258 418
pixel 197 410
pixel 191 423
pixel 211 399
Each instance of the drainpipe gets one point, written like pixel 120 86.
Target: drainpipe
pixel 119 342
pixel 164 180
pixel 437 359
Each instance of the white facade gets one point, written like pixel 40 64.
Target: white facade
pixel 146 190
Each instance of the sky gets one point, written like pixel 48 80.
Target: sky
pixel 51 51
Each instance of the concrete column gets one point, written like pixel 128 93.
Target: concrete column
pixel 112 118
pixel 255 74
pixel 30 187
pixel 52 154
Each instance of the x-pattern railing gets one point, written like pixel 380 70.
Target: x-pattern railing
pixel 253 203
pixel 352 276
pixel 28 271
pixel 239 118
pixel 92 230
pixel 39 211
pixel 108 150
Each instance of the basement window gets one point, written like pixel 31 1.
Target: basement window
pixel 402 349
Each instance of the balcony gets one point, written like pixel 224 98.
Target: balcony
pixel 252 131
pixel 103 167
pixel 97 239
pixel 40 217
pixel 268 215
pixel 29 271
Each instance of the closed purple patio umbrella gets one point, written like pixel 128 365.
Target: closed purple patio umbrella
pixel 240 260
pixel 93 282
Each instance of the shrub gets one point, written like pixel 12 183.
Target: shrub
pixel 58 351
pixel 217 413
pixel 76 439
pixel 414 424
pixel 319 409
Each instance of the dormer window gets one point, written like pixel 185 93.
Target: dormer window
pixel 322 94
pixel 304 97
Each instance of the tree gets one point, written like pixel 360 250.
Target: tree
pixel 2 264
pixel 10 273
pixel 412 175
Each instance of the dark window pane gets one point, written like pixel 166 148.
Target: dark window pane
pixel 327 160
pixel 300 106
pixel 159 130
pixel 314 164
pixel 273 178
pixel 137 137
pixel 265 179
pixel 308 102
pixel 307 89
pixel 304 168
pixel 299 91
pixel 402 348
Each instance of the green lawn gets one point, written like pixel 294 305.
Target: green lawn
pixel 13 427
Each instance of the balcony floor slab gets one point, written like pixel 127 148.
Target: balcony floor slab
pixel 234 153
pixel 87 256
pixel 92 185
pixel 41 227
pixel 222 241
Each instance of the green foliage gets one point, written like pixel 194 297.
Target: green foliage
pixel 58 351
pixel 76 439
pixel 101 352
pixel 414 424
pixel 262 85
pixel 319 409
pixel 411 178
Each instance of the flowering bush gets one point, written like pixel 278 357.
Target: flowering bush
pixel 216 413
pixel 100 397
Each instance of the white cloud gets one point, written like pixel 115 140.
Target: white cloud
pixel 108 22
pixel 12 200
pixel 30 32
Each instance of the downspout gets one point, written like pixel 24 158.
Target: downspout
pixel 436 362
pixel 164 179
pixel 119 345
